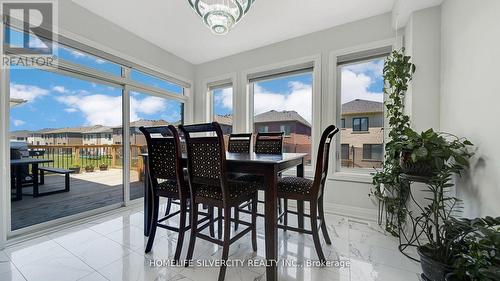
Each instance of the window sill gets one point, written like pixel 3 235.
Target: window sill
pixel 352 177
pixel 360 132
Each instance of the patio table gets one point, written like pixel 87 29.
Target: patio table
pixel 23 162
pixel 266 165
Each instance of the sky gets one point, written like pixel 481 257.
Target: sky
pixel 358 81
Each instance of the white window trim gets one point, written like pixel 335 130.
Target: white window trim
pixel 209 97
pixel 316 102
pixel 334 115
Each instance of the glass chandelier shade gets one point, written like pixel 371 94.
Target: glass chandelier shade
pixel 221 15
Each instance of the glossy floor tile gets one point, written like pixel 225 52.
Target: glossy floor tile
pixel 112 248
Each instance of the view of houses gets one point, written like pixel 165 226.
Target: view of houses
pixel 361 137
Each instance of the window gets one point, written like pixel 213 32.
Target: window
pixel 345 151
pixel 372 152
pixel 263 129
pixel 285 129
pixel 360 124
pixel 156 82
pixel 282 102
pixel 222 106
pixel 361 83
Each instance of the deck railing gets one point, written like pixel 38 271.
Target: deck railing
pixel 69 156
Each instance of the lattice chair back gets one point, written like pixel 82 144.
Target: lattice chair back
pixel 165 158
pixel 239 143
pixel 269 143
pixel 323 160
pixel 206 156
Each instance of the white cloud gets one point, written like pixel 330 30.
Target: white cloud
pixel 375 67
pixel 26 92
pixel 298 98
pixel 60 89
pixel 106 110
pixel 18 122
pixel 356 86
pixel 225 99
pixel 80 55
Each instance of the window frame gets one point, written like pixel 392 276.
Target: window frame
pixel 334 85
pixel 371 151
pixel 361 124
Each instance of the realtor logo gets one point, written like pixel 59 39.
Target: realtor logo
pixel 29 33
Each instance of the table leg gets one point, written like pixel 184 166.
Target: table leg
pixel 300 204
pixel 271 225
pixel 34 168
pixel 148 197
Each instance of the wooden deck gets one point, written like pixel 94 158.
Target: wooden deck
pixel 89 191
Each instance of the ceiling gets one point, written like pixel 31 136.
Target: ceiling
pixel 175 27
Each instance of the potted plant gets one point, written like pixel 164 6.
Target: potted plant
pixel 387 188
pixel 475 247
pixel 75 168
pixel 103 167
pixel 446 155
pixel 89 168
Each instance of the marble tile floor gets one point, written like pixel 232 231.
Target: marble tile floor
pixel 112 248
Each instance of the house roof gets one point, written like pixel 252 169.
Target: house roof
pixel 67 130
pixel 98 129
pixel 362 106
pixel 224 119
pixel 20 133
pixel 280 116
pixel 148 123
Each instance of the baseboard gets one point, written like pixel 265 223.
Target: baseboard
pixel 351 212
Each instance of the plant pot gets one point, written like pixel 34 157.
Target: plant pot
pixel 421 168
pixel 433 270
pixel 76 170
pixel 103 168
pixel 89 170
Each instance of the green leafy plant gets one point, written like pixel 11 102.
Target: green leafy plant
pixel 474 248
pixel 398 72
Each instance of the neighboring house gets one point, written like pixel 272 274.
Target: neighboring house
pixel 362 136
pixel 225 122
pixel 37 137
pixel 136 137
pixel 65 136
pixel 98 135
pixel 297 130
pixel 21 135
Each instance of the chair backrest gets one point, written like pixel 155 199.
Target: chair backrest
pixel 269 143
pixel 239 143
pixel 165 156
pixel 206 156
pixel 322 160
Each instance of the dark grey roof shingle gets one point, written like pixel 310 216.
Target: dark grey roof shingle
pixel 277 116
pixel 362 106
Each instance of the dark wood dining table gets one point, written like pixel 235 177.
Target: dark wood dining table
pixel 266 165
pixel 17 165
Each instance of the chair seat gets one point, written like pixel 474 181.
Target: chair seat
pixel 295 185
pixel 237 189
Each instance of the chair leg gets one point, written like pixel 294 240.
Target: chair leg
pixel 182 230
pixel 169 205
pixel 153 224
pixel 211 216
pixel 285 210
pixel 323 222
pixel 227 238
pixel 219 222
pixel 280 210
pixel 236 217
pixel 254 222
pixel 194 232
pixel 315 234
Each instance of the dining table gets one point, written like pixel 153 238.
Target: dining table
pixel 269 166
pixel 17 165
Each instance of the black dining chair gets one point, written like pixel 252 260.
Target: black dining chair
pixel 239 143
pixel 210 186
pixel 312 191
pixel 167 180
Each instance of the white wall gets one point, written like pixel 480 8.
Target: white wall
pixel 423 44
pixel 470 96
pixel 341 195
